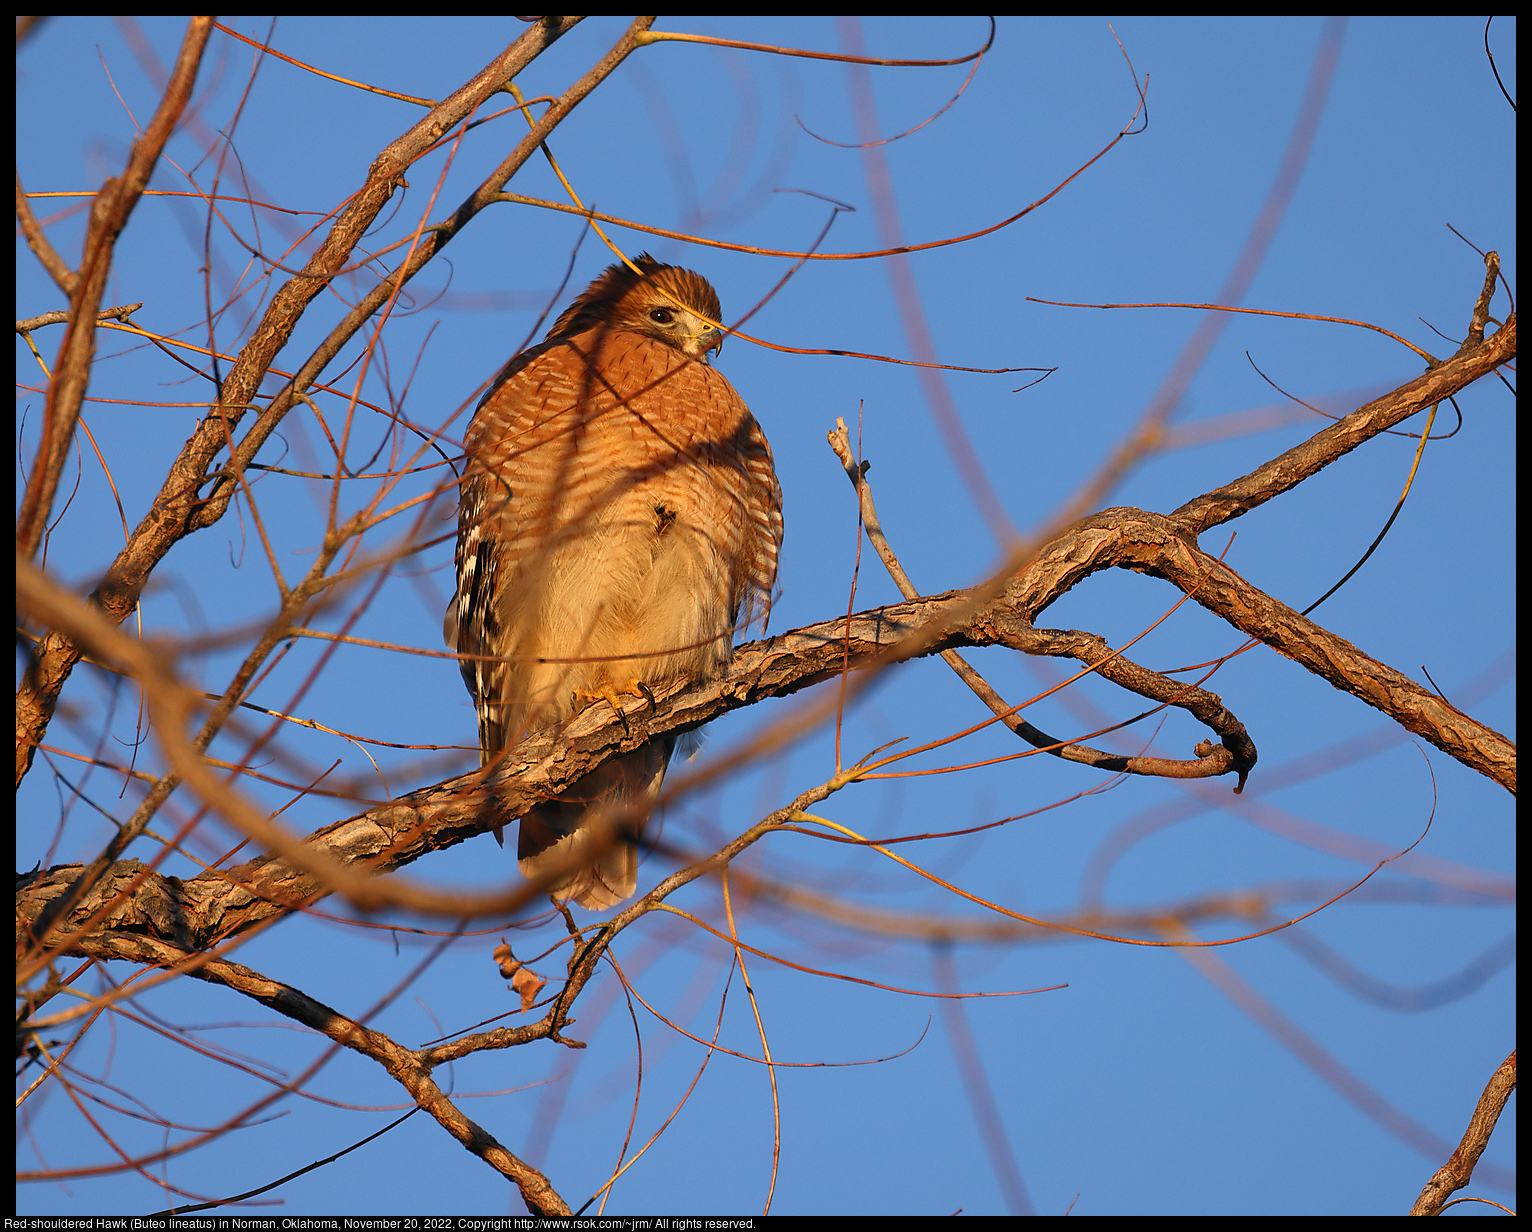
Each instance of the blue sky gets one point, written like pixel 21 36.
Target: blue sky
pixel 1150 1084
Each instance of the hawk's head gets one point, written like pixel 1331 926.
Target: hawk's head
pixel 665 302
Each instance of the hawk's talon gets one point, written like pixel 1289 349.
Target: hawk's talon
pixel 608 692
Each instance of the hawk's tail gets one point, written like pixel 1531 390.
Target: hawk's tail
pixel 585 825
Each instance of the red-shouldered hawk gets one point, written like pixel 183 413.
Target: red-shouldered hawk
pixel 619 512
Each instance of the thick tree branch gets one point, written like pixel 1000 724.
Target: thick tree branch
pixel 201 911
pixel 1154 544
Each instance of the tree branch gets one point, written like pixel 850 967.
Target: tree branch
pixel 1458 1170
pixel 205 910
pixel 1211 760
pixel 42 247
pixel 108 216
pixel 215 906
pixel 411 1068
pixel 1283 473
pixel 177 510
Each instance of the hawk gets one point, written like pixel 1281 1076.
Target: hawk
pixel 618 515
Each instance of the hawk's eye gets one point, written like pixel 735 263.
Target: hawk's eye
pixel 661 316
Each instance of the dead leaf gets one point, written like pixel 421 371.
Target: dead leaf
pixel 528 983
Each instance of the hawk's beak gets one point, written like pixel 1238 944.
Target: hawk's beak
pixel 704 340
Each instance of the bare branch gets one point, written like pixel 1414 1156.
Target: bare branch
pixel 1458 1170
pixel 1211 760
pixel 548 761
pixel 409 1067
pixel 108 216
pixel 61 317
pixel 177 510
pixel 1157 545
pixel 1283 473
pixel 40 245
